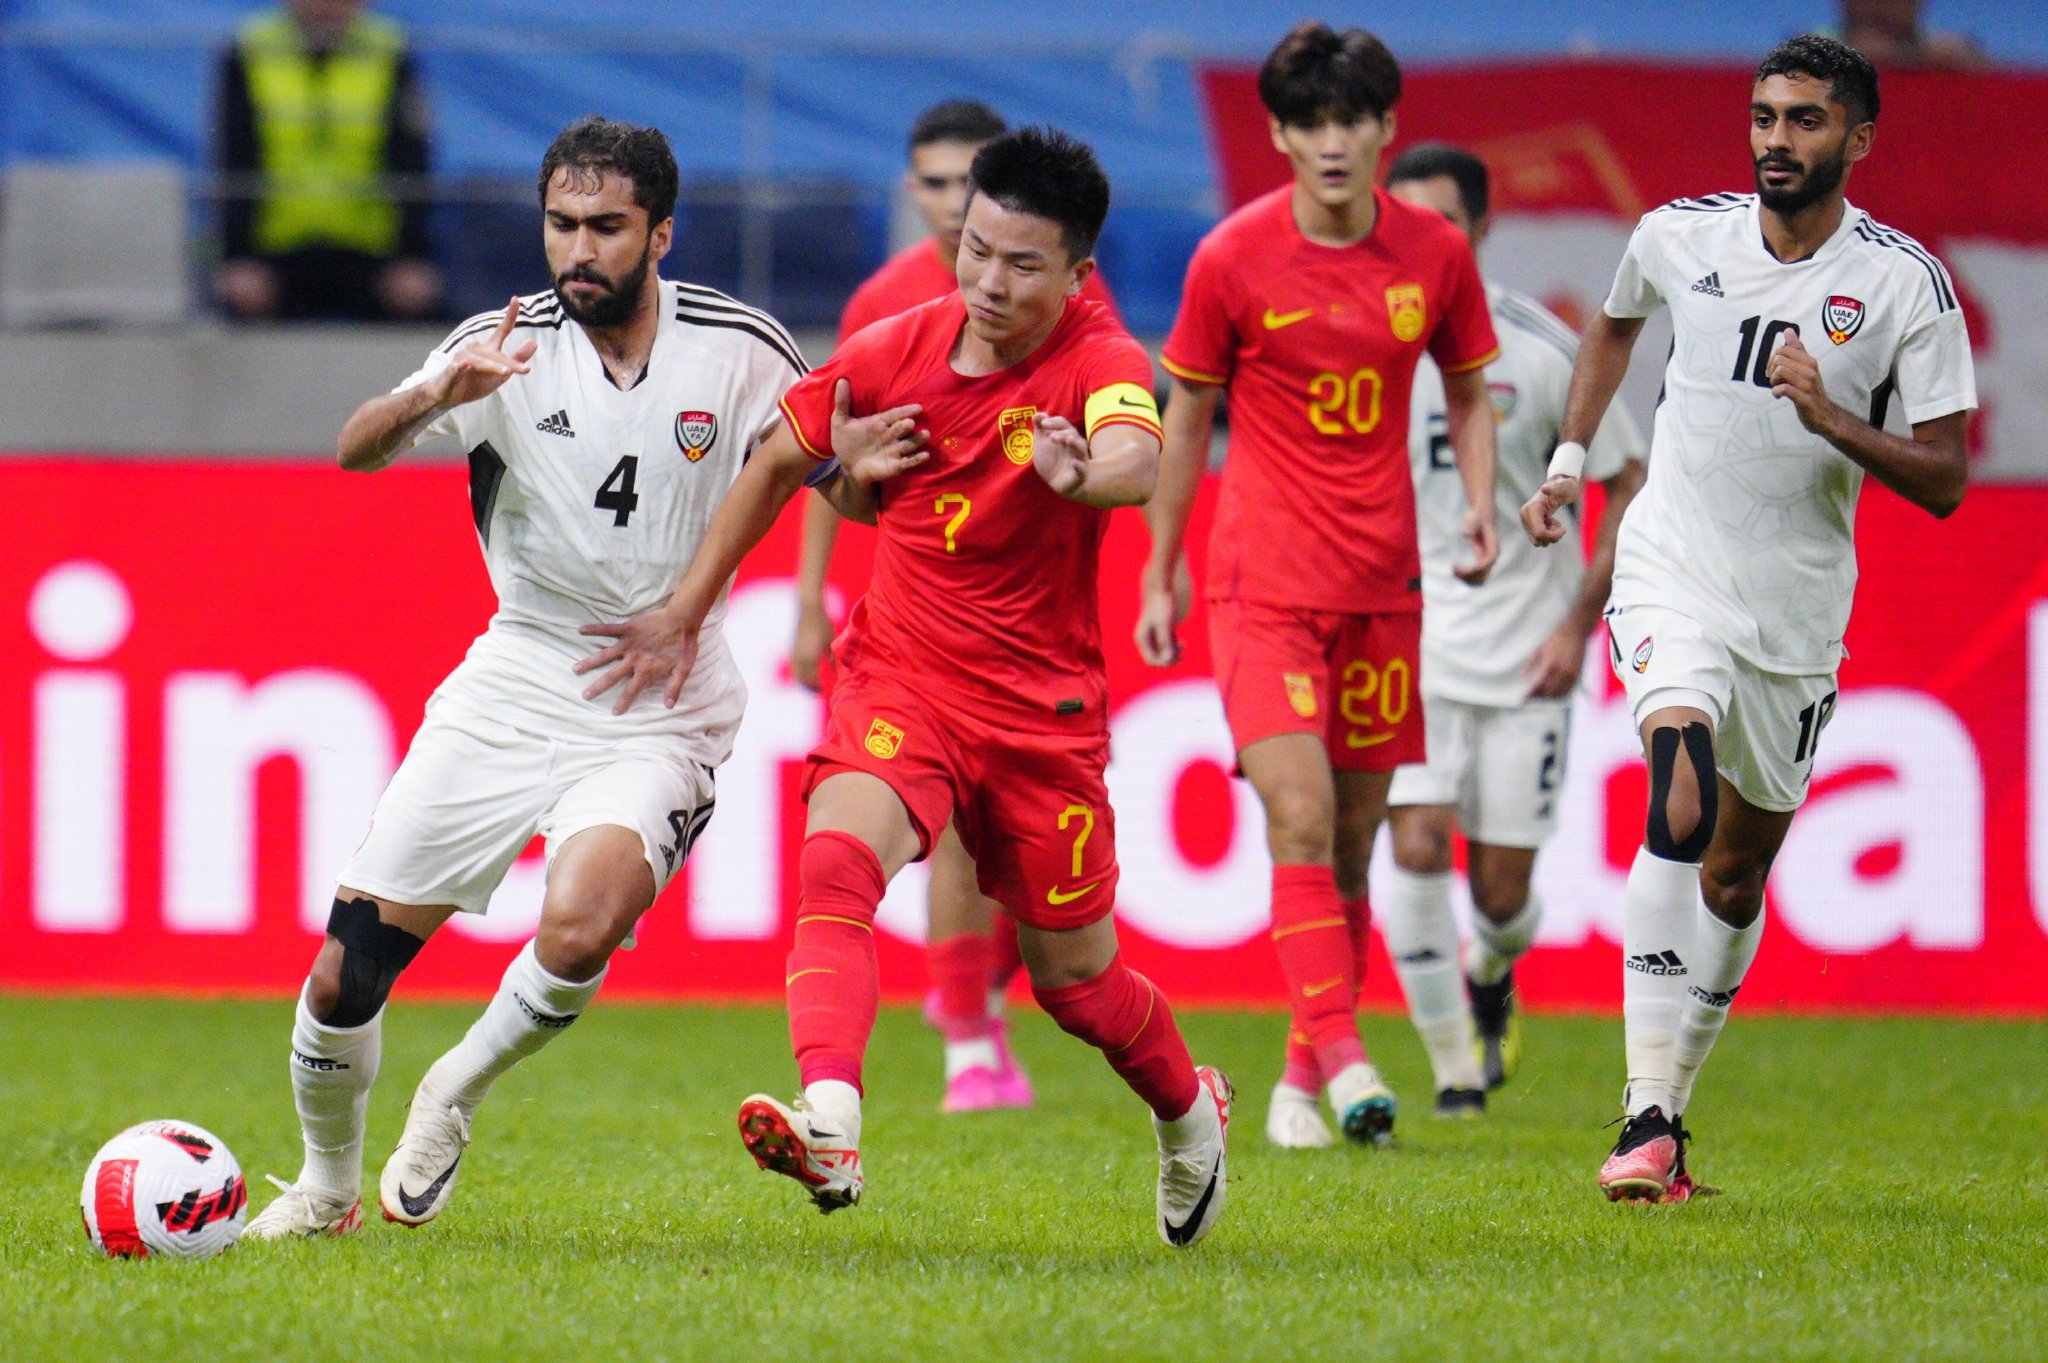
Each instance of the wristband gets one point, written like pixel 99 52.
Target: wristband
pixel 1568 462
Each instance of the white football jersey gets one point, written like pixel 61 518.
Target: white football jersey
pixel 1747 521
pixel 1477 641
pixel 591 500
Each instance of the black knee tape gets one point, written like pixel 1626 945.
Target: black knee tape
pixel 373 955
pixel 1699 750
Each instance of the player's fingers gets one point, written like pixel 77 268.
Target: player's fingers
pixel 604 658
pixel 525 350
pixel 909 411
pixel 842 399
pixel 1792 341
pixel 606 682
pixel 505 324
pixel 610 629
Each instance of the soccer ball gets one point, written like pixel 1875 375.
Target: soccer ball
pixel 168 1188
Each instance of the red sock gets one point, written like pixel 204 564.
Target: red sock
pixel 959 968
pixel 1120 1013
pixel 1358 921
pixel 832 979
pixel 1301 1071
pixel 1312 937
pixel 1004 958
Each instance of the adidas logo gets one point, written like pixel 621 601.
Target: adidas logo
pixel 558 424
pixel 1714 1000
pixel 1657 963
pixel 1710 286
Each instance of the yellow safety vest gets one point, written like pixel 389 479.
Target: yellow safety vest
pixel 321 130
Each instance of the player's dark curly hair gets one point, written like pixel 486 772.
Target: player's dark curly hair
pixel 596 146
pixel 1317 73
pixel 1044 172
pixel 1427 160
pixel 957 120
pixel 1852 80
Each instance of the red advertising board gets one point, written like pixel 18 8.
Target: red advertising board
pixel 208 671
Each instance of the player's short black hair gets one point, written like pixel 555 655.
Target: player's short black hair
pixel 1044 172
pixel 1316 73
pixel 957 120
pixel 1427 160
pixel 596 145
pixel 1852 80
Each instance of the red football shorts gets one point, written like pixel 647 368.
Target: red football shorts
pixel 1348 679
pixel 1030 803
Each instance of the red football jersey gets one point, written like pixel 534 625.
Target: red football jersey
pixel 916 275
pixel 1318 345
pixel 985 578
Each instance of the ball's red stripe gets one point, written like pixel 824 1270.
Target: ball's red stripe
pixel 113 1197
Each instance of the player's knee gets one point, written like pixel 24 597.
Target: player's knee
pixel 575 950
pixel 1684 794
pixel 1300 825
pixel 1499 897
pixel 348 986
pixel 1422 846
pixel 1733 889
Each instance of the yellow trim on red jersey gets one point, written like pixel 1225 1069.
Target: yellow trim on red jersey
pixel 796 429
pixel 1488 358
pixel 1192 375
pixel 1153 427
pixel 1120 401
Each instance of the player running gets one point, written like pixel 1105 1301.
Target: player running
pixel 1499 665
pixel 604 423
pixel 972 948
pixel 984 433
pixel 1312 305
pixel 1798 320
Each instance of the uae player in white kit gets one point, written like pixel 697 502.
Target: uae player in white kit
pixel 1799 321
pixel 1500 662
pixel 604 421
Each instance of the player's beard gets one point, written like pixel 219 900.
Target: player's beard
pixel 616 305
pixel 1820 180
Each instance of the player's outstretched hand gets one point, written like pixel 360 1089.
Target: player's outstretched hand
pixel 1539 513
pixel 1161 608
pixel 1795 374
pixel 1059 453
pixel 483 367
pixel 1478 532
pixel 807 653
pixel 872 448
pixel 653 648
pixel 1554 668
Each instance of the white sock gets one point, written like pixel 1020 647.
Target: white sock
pixel 530 1009
pixel 997 998
pixel 1497 946
pixel 837 1101
pixel 1422 937
pixel 1656 939
pixel 1196 1125
pixel 332 1070
pixel 1720 958
pixel 962 1056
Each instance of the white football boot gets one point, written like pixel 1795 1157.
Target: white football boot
pixel 1364 1104
pixel 419 1178
pixel 299 1213
pixel 1192 1180
pixel 802 1143
pixel 1294 1121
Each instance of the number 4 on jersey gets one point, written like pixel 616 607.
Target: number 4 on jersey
pixel 617 494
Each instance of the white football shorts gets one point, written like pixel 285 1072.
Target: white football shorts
pixel 472 792
pixel 1766 724
pixel 1501 769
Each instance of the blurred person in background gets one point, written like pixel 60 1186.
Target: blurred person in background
pixel 322 142
pixel 972 947
pixel 1890 33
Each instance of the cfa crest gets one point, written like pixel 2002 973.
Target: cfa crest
pixel 1013 428
pixel 1405 311
pixel 884 739
pixel 694 433
pixel 1842 316
pixel 1301 693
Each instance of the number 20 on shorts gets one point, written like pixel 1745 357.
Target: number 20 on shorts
pixel 1374 694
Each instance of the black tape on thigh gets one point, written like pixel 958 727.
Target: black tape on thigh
pixel 373 955
pixel 1699 750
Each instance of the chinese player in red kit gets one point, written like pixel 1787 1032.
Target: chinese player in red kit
pixel 1312 305
pixel 985 434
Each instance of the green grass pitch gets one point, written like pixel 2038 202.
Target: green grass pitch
pixel 1885 1198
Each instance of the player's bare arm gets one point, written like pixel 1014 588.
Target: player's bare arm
pixel 1118 467
pixel 1930 470
pixel 813 620
pixel 1468 411
pixel 1555 666
pixel 1602 364
pixel 385 427
pixel 1163 594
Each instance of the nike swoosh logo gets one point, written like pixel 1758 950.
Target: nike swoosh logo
pixel 1184 1233
pixel 1126 402
pixel 1309 991
pixel 1053 896
pixel 1276 320
pixel 1367 740
pixel 417 1206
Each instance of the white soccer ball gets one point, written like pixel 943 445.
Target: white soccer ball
pixel 167 1188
